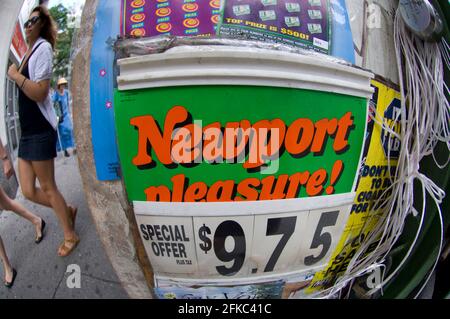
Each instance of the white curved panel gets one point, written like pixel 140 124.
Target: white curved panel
pixel 9 11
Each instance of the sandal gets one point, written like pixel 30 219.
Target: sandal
pixel 39 238
pixel 67 250
pixel 11 283
pixel 73 212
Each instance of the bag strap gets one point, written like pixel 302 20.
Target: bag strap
pixel 29 57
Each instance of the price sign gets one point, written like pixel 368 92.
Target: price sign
pixel 169 243
pixel 243 246
pixel 277 239
pixel 223 244
pixel 323 232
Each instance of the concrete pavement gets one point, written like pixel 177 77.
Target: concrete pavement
pixel 41 272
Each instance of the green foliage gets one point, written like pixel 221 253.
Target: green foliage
pixel 64 22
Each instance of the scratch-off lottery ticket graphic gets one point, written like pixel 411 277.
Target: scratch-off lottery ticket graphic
pixel 303 23
pixel 148 18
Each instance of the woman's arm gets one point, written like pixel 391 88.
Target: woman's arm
pixel 8 169
pixel 3 152
pixel 36 91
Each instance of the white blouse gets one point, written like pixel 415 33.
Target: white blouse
pixel 40 67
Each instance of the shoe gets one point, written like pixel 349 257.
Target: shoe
pixel 67 250
pixel 39 239
pixel 66 154
pixel 11 283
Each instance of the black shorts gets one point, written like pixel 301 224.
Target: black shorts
pixel 38 147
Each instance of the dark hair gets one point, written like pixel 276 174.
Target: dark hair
pixel 48 31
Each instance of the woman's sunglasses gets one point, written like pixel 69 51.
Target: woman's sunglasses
pixel 31 22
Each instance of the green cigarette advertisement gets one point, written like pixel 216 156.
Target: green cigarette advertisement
pixel 224 143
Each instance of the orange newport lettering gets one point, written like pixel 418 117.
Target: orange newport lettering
pixel 158 194
pixel 345 125
pixel 247 188
pixel 148 132
pixel 314 186
pixel 187 144
pixel 299 137
pixel 295 182
pixel 221 191
pixel 196 192
pixel 182 142
pixel 266 142
pixel 274 187
pixel 213 142
pixel 324 128
pixel 236 137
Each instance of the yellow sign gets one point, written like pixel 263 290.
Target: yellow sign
pixel 378 165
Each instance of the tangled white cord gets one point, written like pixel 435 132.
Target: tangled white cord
pixel 424 118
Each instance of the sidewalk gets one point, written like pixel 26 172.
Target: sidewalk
pixel 41 272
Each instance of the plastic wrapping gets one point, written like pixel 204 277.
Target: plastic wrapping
pixel 129 47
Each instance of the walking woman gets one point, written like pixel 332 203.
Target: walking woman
pixel 7 203
pixel 65 127
pixel 38 122
pixel 10 272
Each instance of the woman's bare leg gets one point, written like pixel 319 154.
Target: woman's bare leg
pixel 6 264
pixel 45 172
pixel 27 178
pixel 7 203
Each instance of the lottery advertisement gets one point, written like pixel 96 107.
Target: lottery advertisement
pixel 320 25
pixel 227 183
pixel 148 18
pixel 304 23
pixel 375 176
